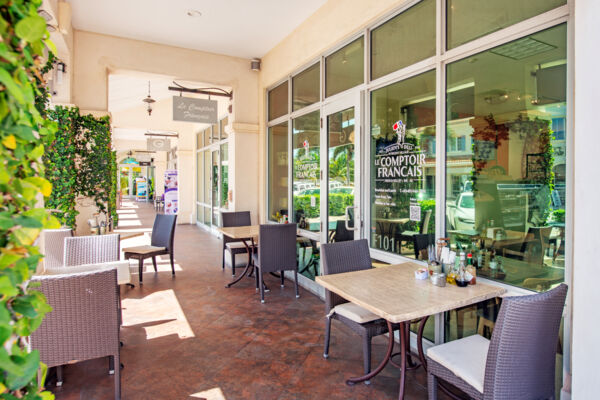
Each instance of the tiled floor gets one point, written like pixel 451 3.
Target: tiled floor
pixel 188 337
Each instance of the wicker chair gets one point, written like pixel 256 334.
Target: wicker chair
pixel 84 321
pixel 345 257
pixel 163 234
pixel 53 247
pixel 517 363
pixel 91 249
pixel 276 252
pixel 232 247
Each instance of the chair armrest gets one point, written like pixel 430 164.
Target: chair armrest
pixel 122 267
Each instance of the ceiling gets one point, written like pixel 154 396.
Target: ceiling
pixel 126 92
pixel 238 28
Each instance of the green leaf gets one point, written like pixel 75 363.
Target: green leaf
pixel 26 236
pixel 31 28
pixel 23 306
pixel 6 222
pixel 7 364
pixel 7 288
pixel 29 364
pixel 28 222
pixel 24 132
pixel 51 46
pixel 7 259
pixel 43 184
pixel 7 80
pixel 37 152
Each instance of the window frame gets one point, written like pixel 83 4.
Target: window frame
pixel 439 62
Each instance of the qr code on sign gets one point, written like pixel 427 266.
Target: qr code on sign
pixel 415 213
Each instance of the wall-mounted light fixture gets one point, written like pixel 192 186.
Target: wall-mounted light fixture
pixel 61 68
pixel 255 64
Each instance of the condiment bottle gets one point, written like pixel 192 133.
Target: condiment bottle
pixel 471 270
pixel 461 267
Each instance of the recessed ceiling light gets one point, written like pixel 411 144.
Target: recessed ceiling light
pixel 522 48
pixel 193 13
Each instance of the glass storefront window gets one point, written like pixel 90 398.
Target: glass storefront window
pixel 341 159
pixel 308 253
pixel 207 179
pixel 403 166
pixel 207 215
pixel 305 87
pixel 505 183
pixel 199 177
pixel 215 186
pixel 277 179
pixel 224 175
pixel 344 69
pixel 306 177
pixel 415 27
pixel 278 101
pixel 468 19
pixel 199 214
pixel 222 124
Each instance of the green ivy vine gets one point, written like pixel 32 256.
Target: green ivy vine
pixel 23 131
pixel 60 166
pixel 81 163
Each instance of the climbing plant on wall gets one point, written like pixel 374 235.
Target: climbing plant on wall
pixel 60 165
pixel 22 131
pixel 81 162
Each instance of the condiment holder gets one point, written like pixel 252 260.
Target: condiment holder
pixel 438 279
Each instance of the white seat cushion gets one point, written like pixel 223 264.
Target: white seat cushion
pixel 465 357
pixel 142 249
pixel 235 245
pixel 355 313
pixel 241 260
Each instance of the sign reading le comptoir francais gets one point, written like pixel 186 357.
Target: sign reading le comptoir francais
pixel 188 109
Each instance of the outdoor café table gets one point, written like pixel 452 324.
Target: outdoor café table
pixel 245 234
pixel 395 295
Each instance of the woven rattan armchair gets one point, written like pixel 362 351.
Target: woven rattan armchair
pixel 92 249
pixel 84 321
pixel 346 257
pixel 233 247
pixel 276 253
pixel 53 247
pixel 163 235
pixel 518 363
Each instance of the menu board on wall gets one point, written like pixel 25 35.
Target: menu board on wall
pixel 171 192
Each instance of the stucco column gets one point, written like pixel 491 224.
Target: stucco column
pixel 243 166
pixel 160 165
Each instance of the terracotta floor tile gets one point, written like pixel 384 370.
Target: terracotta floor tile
pixel 188 334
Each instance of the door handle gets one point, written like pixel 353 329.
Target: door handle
pixel 346 215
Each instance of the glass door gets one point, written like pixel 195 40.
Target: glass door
pixel 341 165
pixel 215 187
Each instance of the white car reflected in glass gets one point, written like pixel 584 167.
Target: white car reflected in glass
pixel 461 213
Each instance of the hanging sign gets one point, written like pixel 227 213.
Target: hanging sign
pixel 188 109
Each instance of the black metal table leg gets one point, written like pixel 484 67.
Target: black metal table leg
pixel 248 265
pixel 382 364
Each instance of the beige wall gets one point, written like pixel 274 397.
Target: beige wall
pixel 329 26
pixel 96 55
